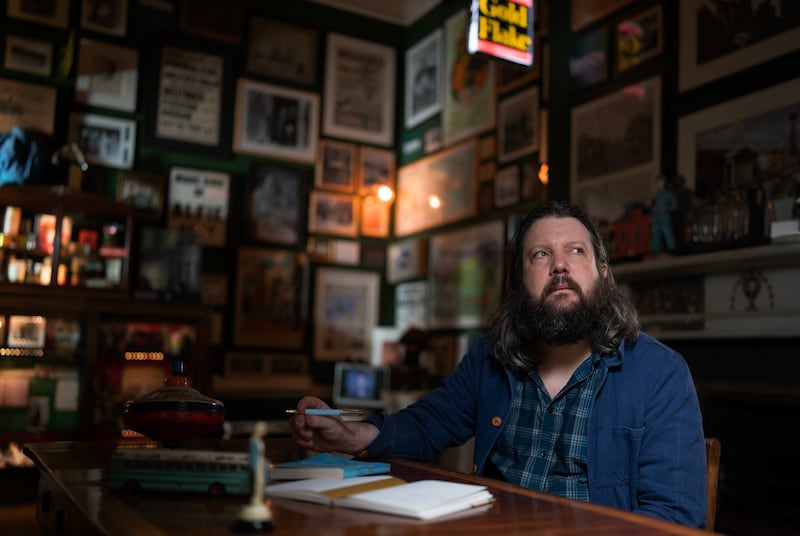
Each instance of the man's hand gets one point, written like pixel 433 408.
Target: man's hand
pixel 325 434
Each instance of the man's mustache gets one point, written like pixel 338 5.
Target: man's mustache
pixel 559 281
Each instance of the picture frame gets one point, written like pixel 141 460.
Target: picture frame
pixel 507 187
pixel 271 298
pixel 283 51
pixel 211 19
pixel 518 125
pixel 26 331
pixel 615 149
pixel 511 76
pixel 275 200
pixel 375 217
pixel 375 167
pixel 638 38
pixel 721 52
pixel 249 364
pixel 144 190
pixel 106 16
pixel 28 106
pixel 359 91
pixel 336 168
pixel 199 200
pixel 589 58
pixel 406 259
pixel 423 79
pixel 214 289
pixel 333 213
pixel 48 13
pixel 465 275
pixel 587 12
pixel 107 75
pixel 449 175
pixel 105 140
pixel 345 313
pixel 411 305
pixel 275 121
pixel 30 56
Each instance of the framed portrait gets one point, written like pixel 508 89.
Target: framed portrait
pixel 105 140
pixel 721 41
pixel 406 259
pixel 586 12
pixel 345 312
pixel 469 86
pixel 465 275
pixel 448 179
pixel 108 75
pixel 198 200
pixel 511 76
pixel 49 13
pixel 589 59
pixel 638 39
pixel 26 331
pixel 506 187
pixel 144 190
pixel 106 16
pixel 28 106
pixel 359 90
pixel 375 167
pixel 283 51
pixel 214 289
pixel 615 149
pixel 518 125
pixel 333 213
pixel 271 298
pixel 212 19
pixel 423 81
pixel 375 216
pixel 275 121
pixel 276 203
pixel 336 169
pixel 28 55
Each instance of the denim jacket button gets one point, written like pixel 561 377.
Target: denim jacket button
pixel 496 421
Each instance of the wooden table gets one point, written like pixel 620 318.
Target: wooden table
pixel 72 499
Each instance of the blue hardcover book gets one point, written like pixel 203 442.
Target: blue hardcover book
pixel 326 466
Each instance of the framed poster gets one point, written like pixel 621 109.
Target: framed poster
pixel 638 38
pixel 406 259
pixel 465 275
pixel 105 141
pixel 276 203
pixel 271 298
pixel 616 149
pixel 275 121
pixel 282 51
pixel 108 75
pixel 518 125
pixel 48 13
pixel 105 16
pixel 345 312
pixel 336 169
pixel 436 190
pixel 198 200
pixel 375 167
pixel 144 190
pixel 586 12
pixel 423 81
pixel 359 90
pixel 212 19
pixel 28 55
pixel 28 106
pixel 333 213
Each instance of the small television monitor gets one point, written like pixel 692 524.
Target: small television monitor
pixel 360 385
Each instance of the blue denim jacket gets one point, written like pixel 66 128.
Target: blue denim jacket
pixel 646 446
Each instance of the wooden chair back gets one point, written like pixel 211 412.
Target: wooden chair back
pixel 713 451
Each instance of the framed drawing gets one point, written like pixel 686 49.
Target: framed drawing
pixel 345 312
pixel 108 75
pixel 198 200
pixel 638 38
pixel 375 167
pixel 28 106
pixel 336 169
pixel 406 259
pixel 105 141
pixel 436 190
pixel 359 90
pixel 518 125
pixel 423 82
pixel 271 298
pixel 469 86
pixel 586 12
pixel 616 149
pixel 506 187
pixel 28 55
pixel 282 51
pixel 144 190
pixel 276 203
pixel 106 16
pixel 727 39
pixel 212 19
pixel 48 13
pixel 275 121
pixel 465 275
pixel 333 213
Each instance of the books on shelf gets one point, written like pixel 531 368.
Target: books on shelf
pixel 327 466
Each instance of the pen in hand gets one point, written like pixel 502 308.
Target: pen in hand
pixel 327 412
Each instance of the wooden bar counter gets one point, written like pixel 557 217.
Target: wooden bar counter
pixel 73 499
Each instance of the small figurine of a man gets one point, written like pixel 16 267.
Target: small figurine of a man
pixel 256 515
pixel 663 204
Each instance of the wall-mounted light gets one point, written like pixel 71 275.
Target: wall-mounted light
pixel 434 201
pixel 379 192
pixel 544 173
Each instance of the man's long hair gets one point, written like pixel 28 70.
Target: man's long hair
pixel 616 321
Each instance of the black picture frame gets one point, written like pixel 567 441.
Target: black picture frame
pixel 275 203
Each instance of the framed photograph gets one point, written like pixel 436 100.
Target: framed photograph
pixel 106 16
pixel 465 275
pixel 48 13
pixel 28 55
pixel 359 90
pixel 589 58
pixel 144 190
pixel 638 39
pixel 586 12
pixel 28 106
pixel 506 187
pixel 275 121
pixel 276 203
pixel 406 259
pixel 283 51
pixel 423 81
pixel 345 312
pixel 108 75
pixel 105 140
pixel 518 125
pixel 271 298
pixel 375 167
pixel 212 19
pixel 411 305
pixel 469 87
pixel 722 40
pixel 333 213
pixel 26 331
pixel 449 177
pixel 214 289
pixel 511 76
pixel 336 169
pixel 198 200
pixel 375 216
pixel 616 149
